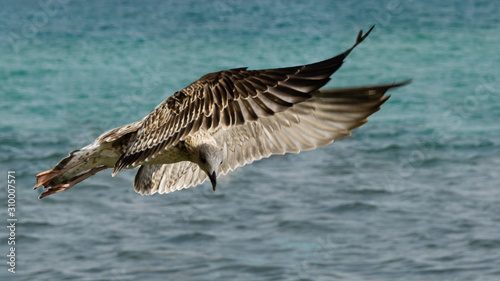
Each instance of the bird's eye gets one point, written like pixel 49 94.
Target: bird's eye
pixel 203 160
pixel 221 161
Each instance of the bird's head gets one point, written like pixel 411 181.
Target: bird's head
pixel 210 158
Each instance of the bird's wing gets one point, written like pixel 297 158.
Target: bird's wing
pixel 116 133
pixel 329 115
pixel 225 99
pixel 165 178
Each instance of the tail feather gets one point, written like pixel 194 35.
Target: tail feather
pixel 79 165
pixel 44 178
pixel 65 186
pixel 86 162
pixel 54 175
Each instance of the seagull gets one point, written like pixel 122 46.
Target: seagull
pixel 223 121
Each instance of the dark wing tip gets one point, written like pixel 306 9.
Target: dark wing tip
pixel 362 37
pixel 403 83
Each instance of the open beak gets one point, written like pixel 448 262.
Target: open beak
pixel 213 180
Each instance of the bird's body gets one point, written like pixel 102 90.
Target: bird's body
pixel 223 121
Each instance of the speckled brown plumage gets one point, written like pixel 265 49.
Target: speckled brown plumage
pixel 243 115
pixel 224 99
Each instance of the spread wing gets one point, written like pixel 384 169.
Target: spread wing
pixel 224 99
pixel 329 115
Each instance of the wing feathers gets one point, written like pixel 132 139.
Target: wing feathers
pixel 288 94
pixel 305 85
pixel 313 123
pixel 165 178
pixel 238 95
pixel 247 110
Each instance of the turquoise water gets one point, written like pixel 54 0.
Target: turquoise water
pixel 413 195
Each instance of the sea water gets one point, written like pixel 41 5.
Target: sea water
pixel 412 195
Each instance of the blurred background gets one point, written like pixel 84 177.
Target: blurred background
pixel 412 195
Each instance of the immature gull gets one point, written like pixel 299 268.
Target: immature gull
pixel 223 121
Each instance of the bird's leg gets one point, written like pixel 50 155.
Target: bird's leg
pixel 69 184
